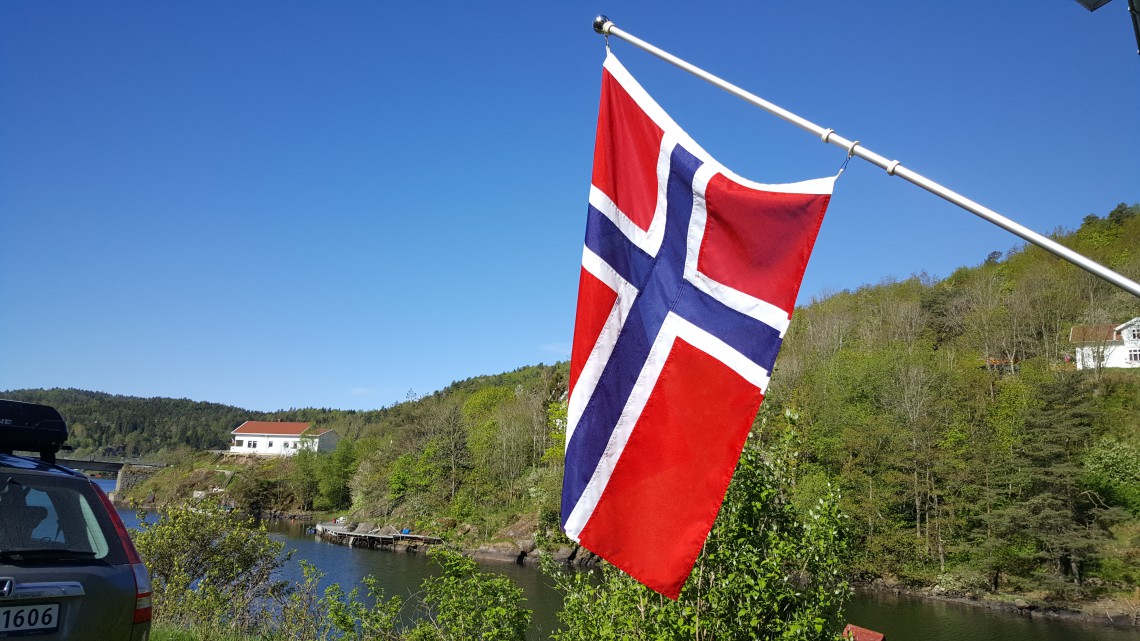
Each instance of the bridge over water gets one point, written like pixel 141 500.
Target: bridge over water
pixel 103 466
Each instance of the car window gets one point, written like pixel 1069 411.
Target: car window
pixel 42 514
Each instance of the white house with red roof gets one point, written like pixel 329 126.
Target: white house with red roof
pixel 278 438
pixel 1107 345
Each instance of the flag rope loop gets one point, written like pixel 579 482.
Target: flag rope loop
pixel 892 167
pixel 850 152
pixel 843 167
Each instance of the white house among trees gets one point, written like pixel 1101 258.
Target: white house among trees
pixel 1099 346
pixel 273 438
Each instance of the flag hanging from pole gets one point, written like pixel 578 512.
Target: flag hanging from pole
pixel 688 281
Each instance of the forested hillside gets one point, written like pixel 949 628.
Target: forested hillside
pixel 106 425
pixel 970 452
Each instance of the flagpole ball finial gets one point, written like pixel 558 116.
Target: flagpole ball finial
pixel 600 24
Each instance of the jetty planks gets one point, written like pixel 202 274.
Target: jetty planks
pixel 339 534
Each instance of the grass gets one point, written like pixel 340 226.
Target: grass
pixel 167 632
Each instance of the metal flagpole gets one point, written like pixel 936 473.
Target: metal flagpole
pixel 604 26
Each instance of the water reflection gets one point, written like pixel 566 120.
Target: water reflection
pixel 903 617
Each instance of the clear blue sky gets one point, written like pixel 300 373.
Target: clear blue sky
pixel 328 204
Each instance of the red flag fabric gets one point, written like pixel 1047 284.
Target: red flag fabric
pixel 689 277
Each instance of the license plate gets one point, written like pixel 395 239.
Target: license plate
pixel 28 619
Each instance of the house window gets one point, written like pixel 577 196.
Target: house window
pixel 238 442
pixel 270 444
pixel 252 444
pixel 1135 333
pixel 1134 356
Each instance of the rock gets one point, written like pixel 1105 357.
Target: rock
pixel 563 554
pixel 885 583
pixel 523 528
pixel 500 551
pixel 586 558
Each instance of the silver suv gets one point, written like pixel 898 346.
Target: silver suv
pixel 68 569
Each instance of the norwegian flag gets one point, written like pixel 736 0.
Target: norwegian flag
pixel 689 277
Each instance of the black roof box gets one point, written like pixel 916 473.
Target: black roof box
pixel 31 428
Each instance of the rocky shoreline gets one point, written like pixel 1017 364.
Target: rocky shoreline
pixel 526 554
pixel 508 546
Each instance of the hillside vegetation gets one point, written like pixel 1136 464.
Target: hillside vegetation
pixel 970 453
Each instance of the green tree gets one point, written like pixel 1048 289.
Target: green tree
pixel 1112 469
pixel 335 470
pixel 304 477
pixel 1049 523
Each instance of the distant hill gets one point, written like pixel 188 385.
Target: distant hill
pixel 104 424
pixel 107 424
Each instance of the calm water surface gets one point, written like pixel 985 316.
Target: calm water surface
pixel 901 618
pixel 904 618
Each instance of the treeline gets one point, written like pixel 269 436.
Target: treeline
pixel 970 451
pixel 111 425
pixel 106 425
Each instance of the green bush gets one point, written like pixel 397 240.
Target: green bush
pixel 210 566
pixel 464 603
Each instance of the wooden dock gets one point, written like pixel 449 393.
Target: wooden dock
pixel 339 534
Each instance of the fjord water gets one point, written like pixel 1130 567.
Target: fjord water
pixel 901 618
pixel 907 618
